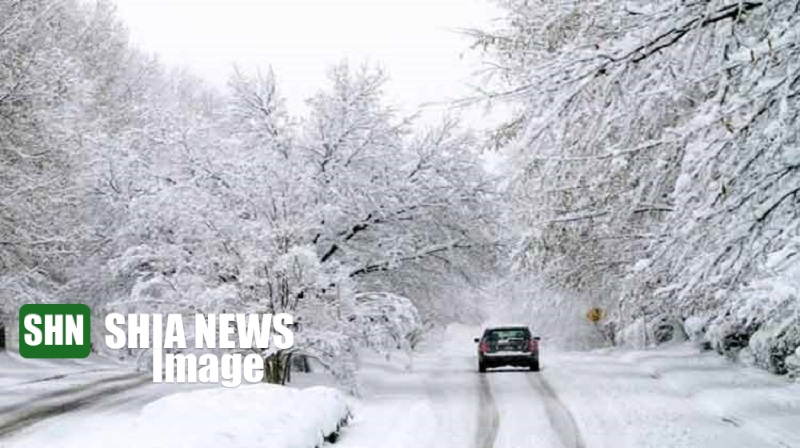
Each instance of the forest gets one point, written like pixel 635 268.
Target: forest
pixel 651 169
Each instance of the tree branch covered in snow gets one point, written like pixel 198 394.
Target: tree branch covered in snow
pixel 128 186
pixel 658 146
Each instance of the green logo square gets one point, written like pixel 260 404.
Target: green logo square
pixel 54 331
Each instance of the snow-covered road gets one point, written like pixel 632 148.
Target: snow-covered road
pixel 444 402
pixel 666 397
pixel 674 397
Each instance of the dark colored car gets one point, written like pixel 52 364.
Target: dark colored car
pixel 508 346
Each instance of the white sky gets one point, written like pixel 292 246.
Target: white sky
pixel 416 41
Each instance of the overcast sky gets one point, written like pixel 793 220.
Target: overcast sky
pixel 415 40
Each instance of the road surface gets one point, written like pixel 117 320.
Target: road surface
pixel 675 397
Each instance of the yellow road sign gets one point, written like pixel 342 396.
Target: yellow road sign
pixel 595 314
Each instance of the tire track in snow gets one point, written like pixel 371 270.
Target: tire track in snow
pixel 523 419
pixel 488 416
pixel 560 417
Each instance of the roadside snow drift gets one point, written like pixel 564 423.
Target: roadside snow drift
pixel 255 416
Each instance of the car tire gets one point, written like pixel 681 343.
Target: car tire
pixel 481 367
pixel 534 366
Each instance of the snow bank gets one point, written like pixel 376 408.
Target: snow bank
pixel 254 416
pixel 251 416
pixel 676 396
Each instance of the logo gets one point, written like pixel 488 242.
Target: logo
pixel 54 331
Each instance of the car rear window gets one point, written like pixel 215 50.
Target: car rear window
pixel 515 333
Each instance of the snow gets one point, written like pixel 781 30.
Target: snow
pixel 523 421
pixel 666 397
pixel 685 219
pixel 15 370
pixel 22 380
pixel 249 416
pixel 396 414
pixel 123 408
pixel 252 416
pixel 676 396
pixel 432 405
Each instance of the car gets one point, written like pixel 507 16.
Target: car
pixel 508 346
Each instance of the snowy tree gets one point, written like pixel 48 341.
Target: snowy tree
pixel 294 214
pixel 131 187
pixel 31 96
pixel 387 322
pixel 657 145
pixel 368 200
pixel 56 57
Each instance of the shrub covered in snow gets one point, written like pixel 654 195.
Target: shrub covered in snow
pixel 793 364
pixel 764 317
pixel 386 321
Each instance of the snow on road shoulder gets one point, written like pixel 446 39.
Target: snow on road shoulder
pixel 248 416
pixel 676 396
pixel 742 396
pixel 396 409
pixel 390 423
pixel 431 402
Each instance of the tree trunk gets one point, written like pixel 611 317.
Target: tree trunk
pixel 300 363
pixel 277 368
pixel 287 366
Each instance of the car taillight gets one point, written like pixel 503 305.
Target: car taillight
pixel 484 347
pixel 533 346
